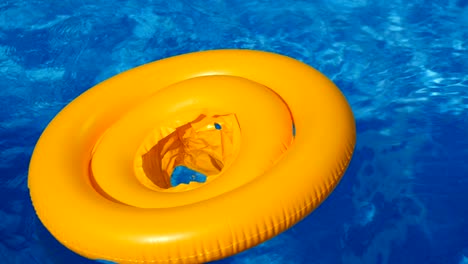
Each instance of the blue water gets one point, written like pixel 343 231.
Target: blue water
pixel 182 174
pixel 401 64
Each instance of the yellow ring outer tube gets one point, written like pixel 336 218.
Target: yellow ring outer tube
pixel 97 227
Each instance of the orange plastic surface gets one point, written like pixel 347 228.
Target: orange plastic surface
pixel 100 175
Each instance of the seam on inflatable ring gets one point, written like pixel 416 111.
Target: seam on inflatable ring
pixel 343 166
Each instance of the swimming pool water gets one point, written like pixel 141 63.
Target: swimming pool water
pixel 401 64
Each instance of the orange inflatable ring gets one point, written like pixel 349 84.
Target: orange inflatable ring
pixel 100 175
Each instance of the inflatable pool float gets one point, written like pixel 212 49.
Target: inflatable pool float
pixel 265 139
